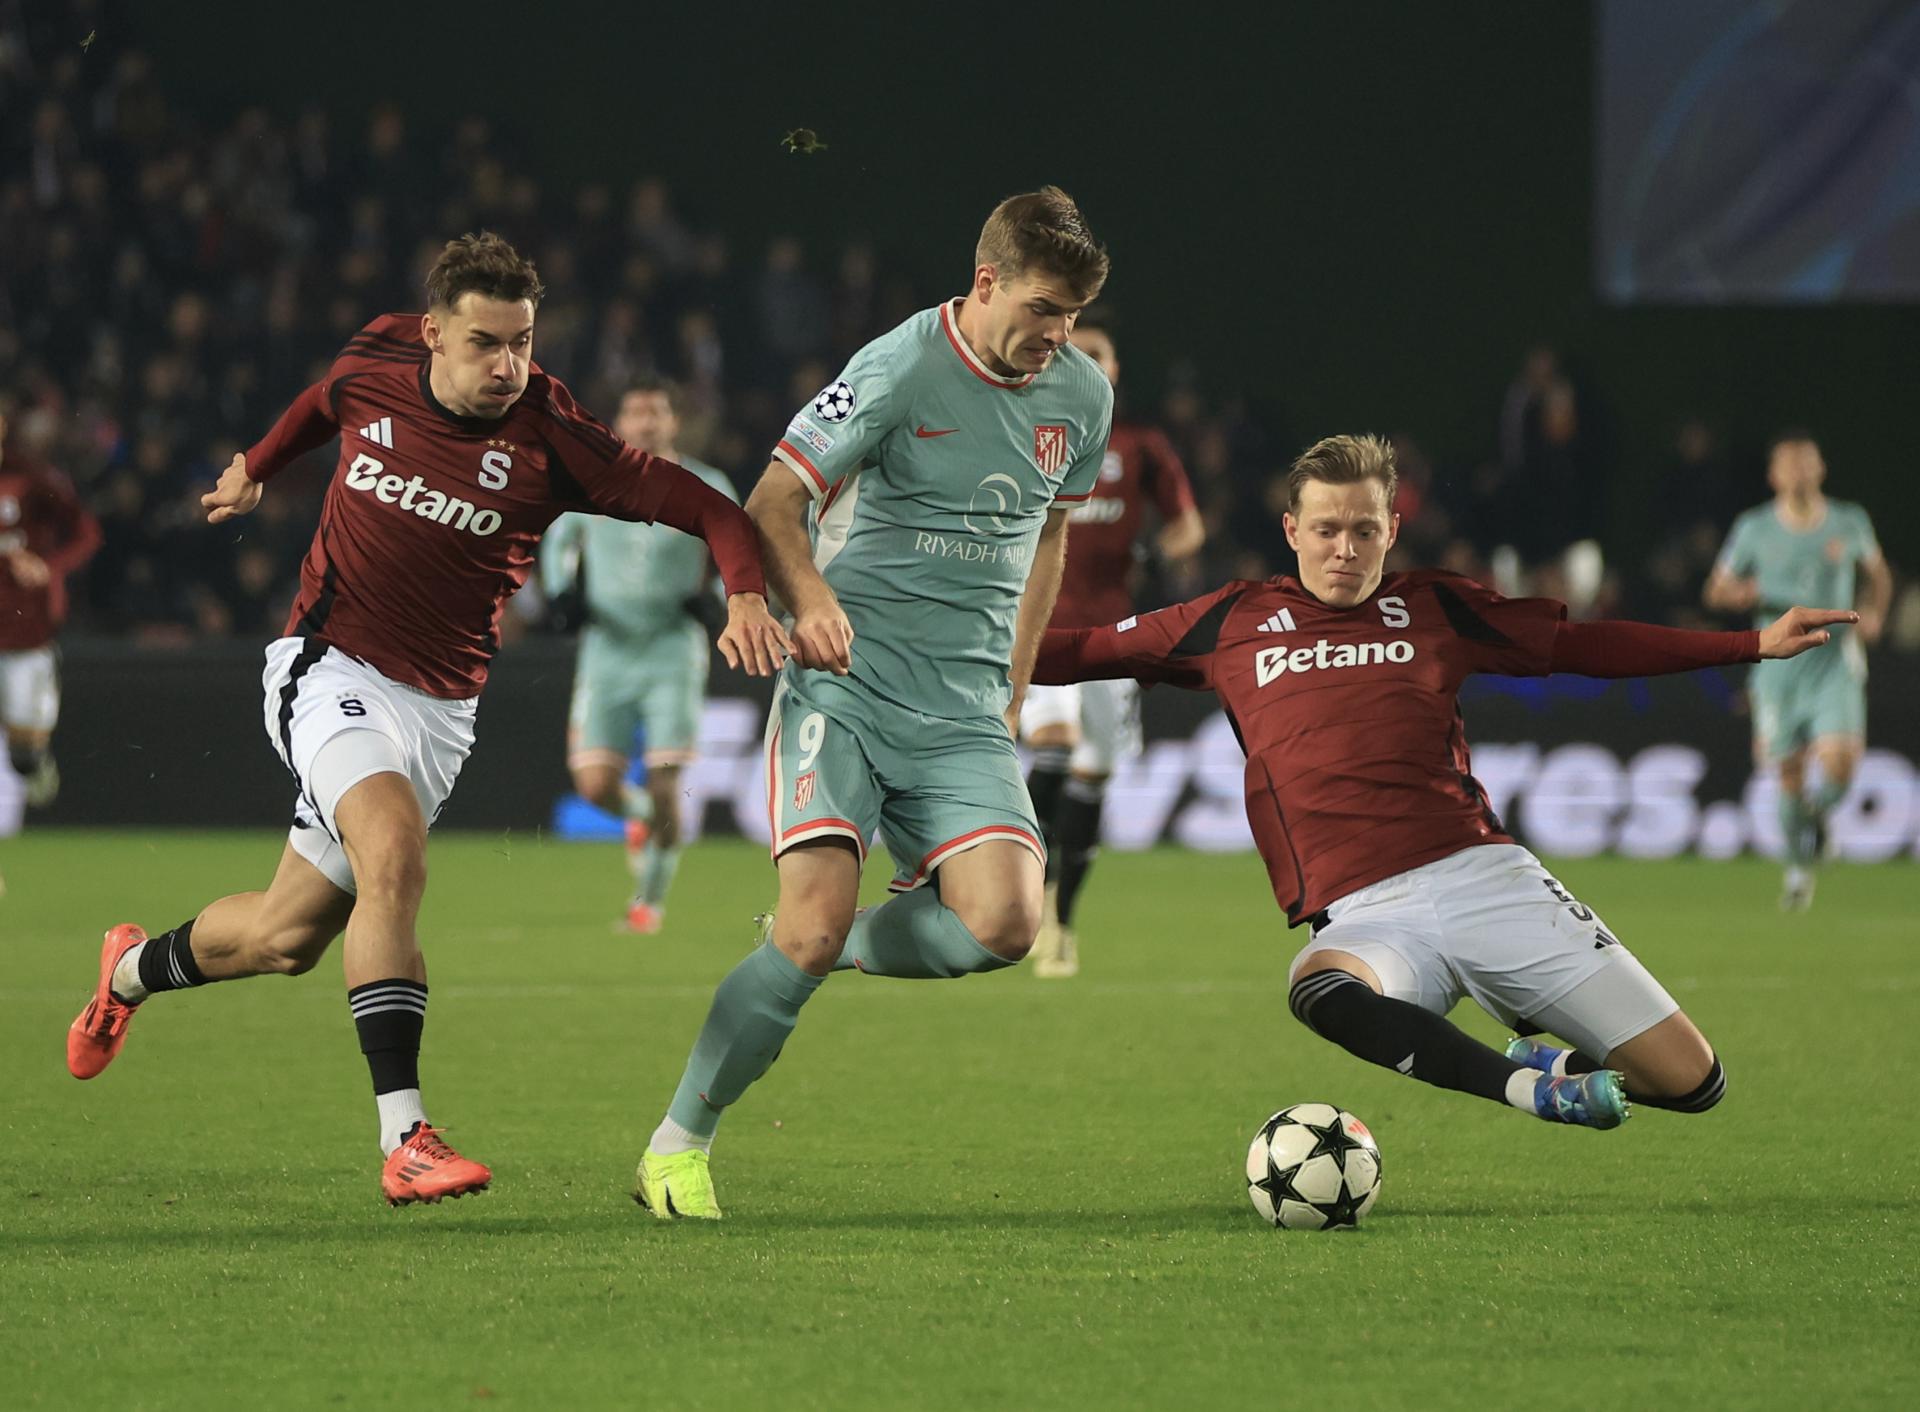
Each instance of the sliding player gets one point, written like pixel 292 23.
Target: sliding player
pixel 1342 686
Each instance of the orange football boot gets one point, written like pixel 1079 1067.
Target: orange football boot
pixel 644 917
pixel 99 1031
pixel 638 832
pixel 423 1168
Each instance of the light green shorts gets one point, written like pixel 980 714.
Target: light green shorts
pixel 622 685
pixel 844 762
pixel 1790 712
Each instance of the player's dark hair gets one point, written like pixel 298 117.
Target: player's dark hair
pixel 653 382
pixel 1342 460
pixel 1043 230
pixel 482 264
pixel 1790 436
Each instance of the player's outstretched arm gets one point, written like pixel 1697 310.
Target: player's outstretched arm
pixel 1627 649
pixel 236 494
pixel 1801 629
pixel 1036 607
pixel 822 636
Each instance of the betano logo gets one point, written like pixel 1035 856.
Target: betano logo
pixel 410 493
pixel 1276 662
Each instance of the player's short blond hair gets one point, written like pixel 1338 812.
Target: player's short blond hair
pixel 1342 460
pixel 1043 230
pixel 483 264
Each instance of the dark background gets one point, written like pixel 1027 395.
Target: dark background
pixel 1358 215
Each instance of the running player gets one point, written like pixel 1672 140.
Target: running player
pixel 1802 546
pixel 456 451
pixel 1342 686
pixel 934 476
pixel 45 534
pixel 1079 733
pixel 643 653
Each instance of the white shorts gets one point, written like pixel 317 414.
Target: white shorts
pixel 29 689
pixel 1105 713
pixel 1489 922
pixel 334 721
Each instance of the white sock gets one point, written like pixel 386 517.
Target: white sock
pixel 126 977
pixel 670 1138
pixel 399 1111
pixel 1520 1089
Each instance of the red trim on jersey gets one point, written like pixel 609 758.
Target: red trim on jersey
pixel 967 355
pixel 773 788
pixel 1072 499
pixel 787 446
pixel 847 824
pixel 833 493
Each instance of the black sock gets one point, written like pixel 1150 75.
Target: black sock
pixel 25 759
pixel 1712 1089
pixel 389 1016
pixel 1395 1035
pixel 166 961
pixel 1049 772
pixel 1078 823
pixel 1578 1063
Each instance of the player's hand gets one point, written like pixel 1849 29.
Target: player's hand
pixel 1798 629
pixel 1739 595
pixel 823 638
pixel 1872 624
pixel 234 495
pixel 753 639
pixel 29 569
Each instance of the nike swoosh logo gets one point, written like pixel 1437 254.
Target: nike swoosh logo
pixel 923 430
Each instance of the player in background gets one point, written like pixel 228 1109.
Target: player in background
pixel 45 534
pixel 1079 733
pixel 643 653
pixel 1342 686
pixel 456 452
pixel 913 519
pixel 1803 547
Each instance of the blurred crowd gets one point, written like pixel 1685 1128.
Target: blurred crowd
pixel 166 288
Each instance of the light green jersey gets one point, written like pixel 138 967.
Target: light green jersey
pixel 638 576
pixel 931 479
pixel 1814 567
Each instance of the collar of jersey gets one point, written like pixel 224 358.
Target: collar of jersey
pixel 474 424
pixel 950 326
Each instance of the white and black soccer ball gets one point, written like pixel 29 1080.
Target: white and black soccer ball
pixel 835 402
pixel 1313 1167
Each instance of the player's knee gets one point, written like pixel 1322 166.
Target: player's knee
pixel 391 867
pixel 599 786
pixel 1711 1088
pixel 813 943
pixel 1005 923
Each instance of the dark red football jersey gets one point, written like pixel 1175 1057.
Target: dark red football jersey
pixel 1357 763
pixel 40 514
pixel 1141 469
pixel 431 519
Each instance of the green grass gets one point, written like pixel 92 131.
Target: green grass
pixel 996 1193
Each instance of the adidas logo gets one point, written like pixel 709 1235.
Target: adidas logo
pixel 380 433
pixel 1281 621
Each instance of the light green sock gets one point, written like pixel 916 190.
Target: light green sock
pixel 915 937
pixel 657 867
pixel 753 1012
pixel 635 802
pixel 1795 830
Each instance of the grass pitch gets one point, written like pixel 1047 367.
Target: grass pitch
pixel 1000 1192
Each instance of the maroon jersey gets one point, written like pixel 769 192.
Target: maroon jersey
pixel 431 519
pixel 1357 762
pixel 39 515
pixel 1141 468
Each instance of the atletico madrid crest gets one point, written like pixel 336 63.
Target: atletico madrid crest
pixel 803 790
pixel 1050 449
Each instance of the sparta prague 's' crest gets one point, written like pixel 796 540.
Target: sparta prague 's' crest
pixel 1050 449
pixel 803 790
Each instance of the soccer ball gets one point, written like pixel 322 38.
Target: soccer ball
pixel 835 402
pixel 1313 1167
